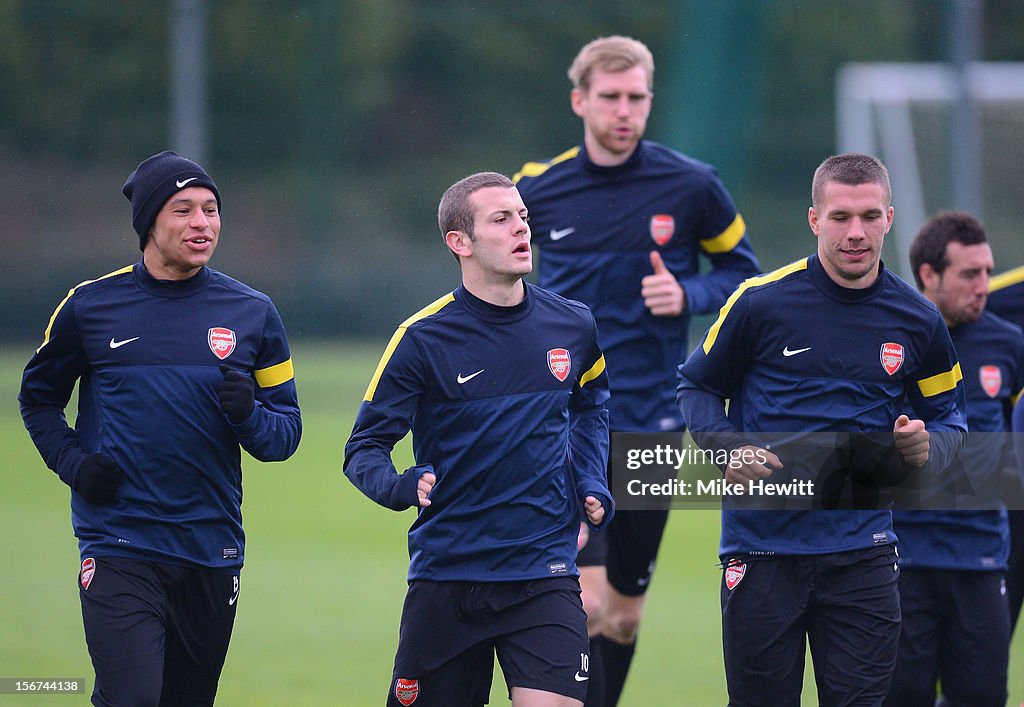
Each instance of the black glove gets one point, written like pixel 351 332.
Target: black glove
pixel 98 479
pixel 237 395
pixel 404 494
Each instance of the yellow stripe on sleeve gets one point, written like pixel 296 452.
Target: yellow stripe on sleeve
pixel 49 325
pixel 432 308
pixel 727 239
pixel 535 169
pixel 941 382
pixel 275 375
pixel 1010 277
pixel 782 272
pixel 595 370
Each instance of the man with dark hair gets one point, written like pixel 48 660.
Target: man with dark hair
pixel 623 224
pixel 165 353
pixel 954 546
pixel 817 360
pixel 503 385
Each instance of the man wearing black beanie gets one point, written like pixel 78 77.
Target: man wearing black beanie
pixel 178 366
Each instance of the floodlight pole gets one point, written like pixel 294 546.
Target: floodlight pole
pixel 187 59
pixel 965 137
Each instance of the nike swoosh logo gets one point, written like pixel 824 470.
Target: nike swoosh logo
pixel 580 678
pixel 558 234
pixel 232 600
pixel 794 352
pixel 462 379
pixel 119 344
pixel 184 182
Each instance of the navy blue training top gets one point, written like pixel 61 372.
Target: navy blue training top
pixel 798 355
pixel 991 352
pixel 146 355
pixel 596 226
pixel 507 408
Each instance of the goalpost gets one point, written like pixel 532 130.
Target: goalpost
pixel 896 111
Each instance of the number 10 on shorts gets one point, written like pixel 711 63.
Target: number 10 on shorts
pixel 583 674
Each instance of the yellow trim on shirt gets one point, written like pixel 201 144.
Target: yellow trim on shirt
pixel 431 308
pixel 49 325
pixel 276 374
pixel 727 239
pixel 535 169
pixel 782 272
pixel 595 370
pixel 941 382
pixel 1010 277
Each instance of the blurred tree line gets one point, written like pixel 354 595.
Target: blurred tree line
pixel 335 126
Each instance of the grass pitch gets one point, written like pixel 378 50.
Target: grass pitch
pixel 324 580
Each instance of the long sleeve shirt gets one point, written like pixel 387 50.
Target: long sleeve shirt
pixel 507 409
pixel 805 363
pixel 146 355
pixel 596 226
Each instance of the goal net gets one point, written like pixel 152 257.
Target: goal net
pixel 905 113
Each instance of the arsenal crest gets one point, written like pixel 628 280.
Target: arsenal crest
pixel 222 341
pixel 407 690
pixel 559 363
pixel 88 572
pixel 663 226
pixel 734 573
pixel 991 380
pixel 891 356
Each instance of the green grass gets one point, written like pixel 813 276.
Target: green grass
pixel 325 571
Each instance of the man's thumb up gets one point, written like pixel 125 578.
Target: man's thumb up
pixel 658 264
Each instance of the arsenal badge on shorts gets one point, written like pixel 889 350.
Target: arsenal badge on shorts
pixel 88 572
pixel 663 226
pixel 991 380
pixel 891 356
pixel 221 341
pixel 407 690
pixel 559 363
pixel 734 573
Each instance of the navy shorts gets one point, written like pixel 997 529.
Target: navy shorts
pixel 451 631
pixel 956 630
pixel 845 604
pixel 157 633
pixel 628 548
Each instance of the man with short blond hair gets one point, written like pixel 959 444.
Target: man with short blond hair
pixel 623 224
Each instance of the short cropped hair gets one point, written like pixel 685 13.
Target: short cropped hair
pixel 852 169
pixel 936 234
pixel 455 212
pixel 612 54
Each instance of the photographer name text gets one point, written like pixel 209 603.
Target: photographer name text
pixel 720 487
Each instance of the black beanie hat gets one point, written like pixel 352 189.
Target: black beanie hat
pixel 156 180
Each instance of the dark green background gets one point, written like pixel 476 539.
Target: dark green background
pixel 335 126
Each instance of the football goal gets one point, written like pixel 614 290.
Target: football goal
pixel 905 113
